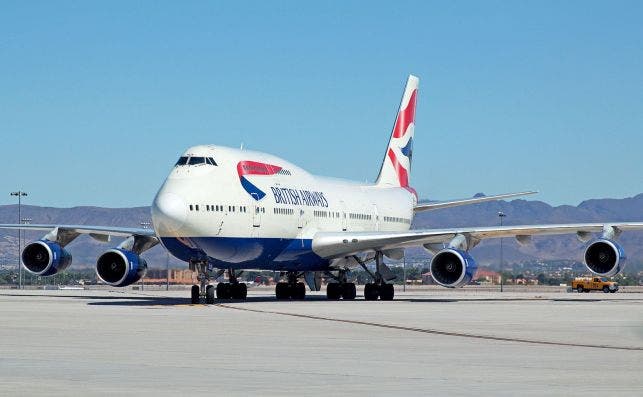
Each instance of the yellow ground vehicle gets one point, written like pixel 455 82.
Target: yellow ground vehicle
pixel 586 284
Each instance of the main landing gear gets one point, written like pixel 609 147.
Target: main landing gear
pixel 379 288
pixel 232 290
pixel 341 289
pixel 292 289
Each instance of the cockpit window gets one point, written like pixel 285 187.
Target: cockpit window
pixel 194 160
pixel 183 160
pixel 197 160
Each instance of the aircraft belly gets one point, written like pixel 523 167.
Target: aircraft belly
pixel 249 252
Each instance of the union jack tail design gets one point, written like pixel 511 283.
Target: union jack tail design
pixel 396 167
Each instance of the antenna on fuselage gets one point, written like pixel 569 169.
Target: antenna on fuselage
pixel 241 148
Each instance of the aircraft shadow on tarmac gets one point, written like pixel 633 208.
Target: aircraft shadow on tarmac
pixel 149 300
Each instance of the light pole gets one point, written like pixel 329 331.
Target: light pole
pixel 25 221
pixel 501 215
pixel 167 271
pixel 404 271
pixel 20 194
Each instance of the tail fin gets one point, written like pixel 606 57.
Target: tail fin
pixel 396 167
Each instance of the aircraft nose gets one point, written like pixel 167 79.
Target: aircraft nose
pixel 169 212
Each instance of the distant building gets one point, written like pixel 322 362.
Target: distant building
pixel 487 275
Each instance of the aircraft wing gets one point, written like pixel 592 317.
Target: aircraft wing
pixel 341 244
pixel 455 203
pixel 138 239
pixel 87 229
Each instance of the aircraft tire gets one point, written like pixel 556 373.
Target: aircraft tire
pixel 387 292
pixel 333 291
pixel 371 292
pixel 299 291
pixel 349 292
pixel 209 294
pixel 194 296
pixel 223 291
pixel 282 291
pixel 239 291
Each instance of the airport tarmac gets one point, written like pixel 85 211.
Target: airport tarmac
pixel 439 342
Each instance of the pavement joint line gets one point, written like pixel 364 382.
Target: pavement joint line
pixel 434 331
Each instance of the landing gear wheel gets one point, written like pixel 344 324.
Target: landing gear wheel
pixel 606 289
pixel 282 291
pixel 239 291
pixel 223 291
pixel 371 292
pixel 349 292
pixel 333 291
pixel 579 289
pixel 298 291
pixel 194 297
pixel 387 292
pixel 209 294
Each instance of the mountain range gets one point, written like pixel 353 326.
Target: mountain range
pixel 85 250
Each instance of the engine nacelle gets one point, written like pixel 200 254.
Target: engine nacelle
pixel 605 258
pixel 453 268
pixel 120 268
pixel 45 258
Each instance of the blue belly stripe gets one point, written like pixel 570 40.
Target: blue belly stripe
pixel 248 252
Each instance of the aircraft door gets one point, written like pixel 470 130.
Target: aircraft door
pixel 302 220
pixel 343 215
pixel 256 212
pixel 376 217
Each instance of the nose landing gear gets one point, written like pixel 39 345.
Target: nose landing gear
pixel 205 290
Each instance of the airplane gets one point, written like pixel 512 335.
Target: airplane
pixel 224 209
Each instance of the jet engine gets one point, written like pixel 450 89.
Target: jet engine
pixel 120 268
pixel 45 258
pixel 605 258
pixel 453 268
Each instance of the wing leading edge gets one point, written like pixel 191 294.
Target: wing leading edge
pixel 475 200
pixel 341 244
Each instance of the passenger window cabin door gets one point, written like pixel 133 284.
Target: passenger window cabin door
pixel 256 211
pixel 343 215
pixel 376 218
pixel 301 222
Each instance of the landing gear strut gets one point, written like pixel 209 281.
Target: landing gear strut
pixel 292 289
pixel 232 290
pixel 379 288
pixel 341 289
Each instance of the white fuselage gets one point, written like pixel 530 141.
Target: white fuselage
pixel 255 210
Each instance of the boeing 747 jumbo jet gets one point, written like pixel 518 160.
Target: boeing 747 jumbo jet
pixel 224 209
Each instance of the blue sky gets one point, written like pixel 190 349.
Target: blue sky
pixel 98 99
